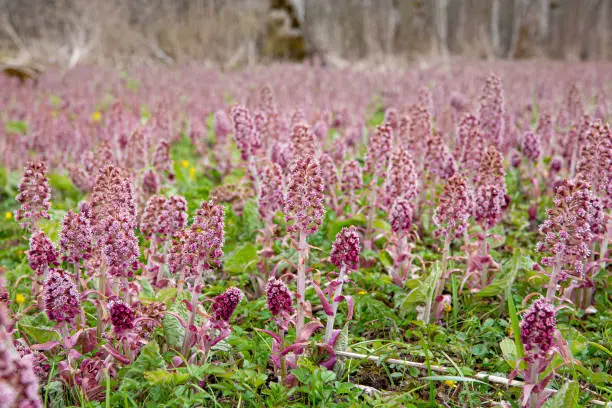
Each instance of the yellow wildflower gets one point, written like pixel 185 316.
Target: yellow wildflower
pixel 192 173
pixel 362 292
pixel 96 116
pixel 8 215
pixel 185 163
pixel 450 383
pixel 20 252
pixel 19 298
pixel 447 307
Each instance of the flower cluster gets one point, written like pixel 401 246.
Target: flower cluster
pixel 164 216
pixel 491 169
pixel 400 216
pixel 420 127
pixel 352 179
pixel 454 208
pixel 222 125
pixel 75 238
pixel 402 181
pixel 304 197
pixel 345 249
pixel 470 143
pixel 270 198
pixel 531 146
pixel 438 159
pixel 207 234
pixel 568 229
pixel 491 110
pixel 34 195
pixel 111 194
pixel 18 383
pixel 279 299
pixel 119 244
pixel 150 182
pixel 42 253
pixel 61 298
pixel 329 173
pixel 379 150
pixel 121 315
pixel 225 304
pixel 595 165
pixel 162 163
pixel 538 330
pixel 303 143
pixel 490 202
pixel 245 133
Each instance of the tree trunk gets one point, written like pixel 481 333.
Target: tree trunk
pixel 495 42
pixel 442 27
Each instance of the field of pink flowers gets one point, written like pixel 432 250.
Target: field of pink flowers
pixel 294 235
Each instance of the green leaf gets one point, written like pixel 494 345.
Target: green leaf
pixel 302 374
pixel 17 126
pixel 174 331
pixel 341 344
pixel 149 359
pixel 335 226
pixel 166 378
pixel 147 290
pixel 54 392
pixel 516 330
pixel 508 349
pixel 243 259
pixel 251 221
pixel 165 294
pixel 566 397
pixel 385 258
pixel 39 334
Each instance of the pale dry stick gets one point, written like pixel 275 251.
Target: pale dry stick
pixel 481 376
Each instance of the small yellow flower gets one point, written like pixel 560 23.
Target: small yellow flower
pixel 19 298
pixel 362 292
pixel 510 331
pixel 447 307
pixel 185 163
pixel 96 116
pixel 20 252
pixel 450 383
pixel 192 173
pixel 8 215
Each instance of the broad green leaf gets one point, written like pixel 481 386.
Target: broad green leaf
pixel 149 359
pixel 335 226
pixel 508 349
pixel 173 330
pixel 166 378
pixel 341 345
pixel 302 374
pixel 243 259
pixel 385 258
pixel 566 397
pixel 39 334
pixel 516 330
pixel 16 126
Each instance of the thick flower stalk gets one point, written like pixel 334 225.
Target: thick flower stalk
pixel 42 254
pixel 568 231
pixel 491 110
pixel 345 256
pixel 304 214
pixel 350 183
pixel 75 238
pixel 34 195
pixel 61 298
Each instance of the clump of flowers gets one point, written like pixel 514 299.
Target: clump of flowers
pixel 75 238
pixel 491 110
pixel 439 161
pixel 400 218
pixel 351 182
pixel 454 208
pixel 208 234
pixel 61 298
pixel 162 163
pixel 42 253
pixel 531 146
pixel 247 138
pixel 121 316
pixel 539 337
pixel 150 183
pixel 568 231
pixel 224 305
pixel 303 143
pixel 270 200
pixel 222 125
pixel 280 302
pixel 402 181
pixel 470 144
pixel 345 256
pixel 34 195
pixel 18 382
pixel 379 151
pixel 595 164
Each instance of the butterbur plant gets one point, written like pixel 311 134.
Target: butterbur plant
pixel 540 340
pixel 42 253
pixel 304 214
pixel 400 218
pixel 345 256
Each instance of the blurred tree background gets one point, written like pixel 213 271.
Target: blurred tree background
pixel 231 33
